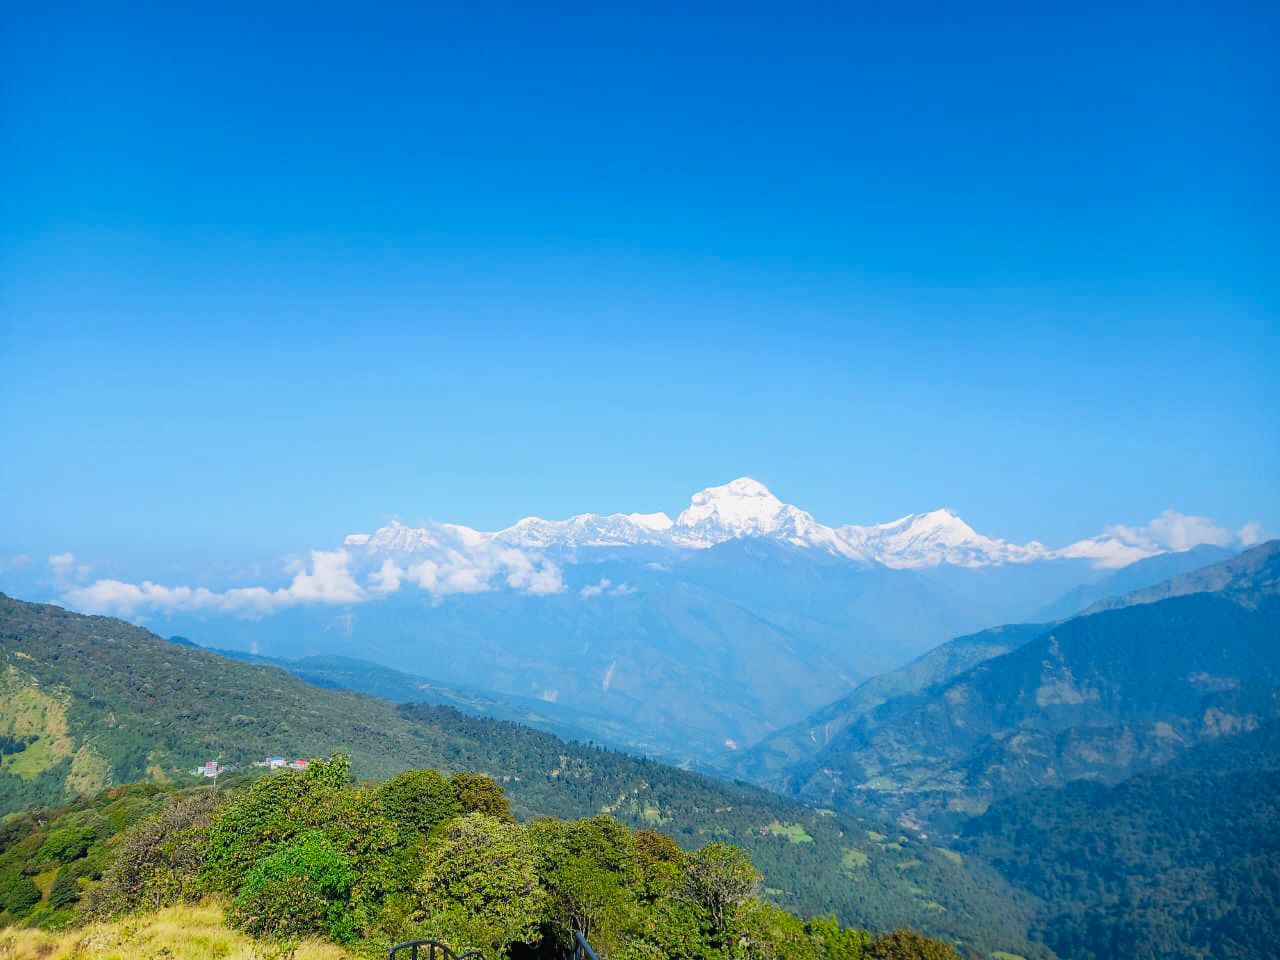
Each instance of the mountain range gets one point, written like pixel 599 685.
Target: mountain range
pixel 1099 785
pixel 1124 687
pixel 747 508
pixel 688 639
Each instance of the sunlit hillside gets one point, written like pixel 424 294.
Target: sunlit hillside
pixel 185 932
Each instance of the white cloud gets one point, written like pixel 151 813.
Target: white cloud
pixel 1173 531
pixel 1250 534
pixel 595 589
pixel 477 568
pixel 386 579
pixel 67 568
pixel 327 581
pixel 1120 544
pixel 606 586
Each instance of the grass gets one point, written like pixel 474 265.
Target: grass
pixel 853 859
pixel 794 832
pixel 175 933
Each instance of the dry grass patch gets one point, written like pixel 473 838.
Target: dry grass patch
pixel 175 933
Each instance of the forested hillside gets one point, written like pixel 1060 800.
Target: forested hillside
pixel 1180 863
pixel 1101 696
pixel 310 855
pixel 776 759
pixel 97 701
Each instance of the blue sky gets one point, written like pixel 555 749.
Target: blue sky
pixel 268 276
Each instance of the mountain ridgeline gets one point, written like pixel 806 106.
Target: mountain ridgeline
pixel 686 638
pixel 1124 688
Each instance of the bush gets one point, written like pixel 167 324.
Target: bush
pixel 592 876
pixel 66 844
pixel 720 879
pixel 480 888
pixel 18 895
pixel 909 945
pixel 479 794
pixel 65 891
pixel 300 889
pixel 418 800
pixel 158 862
pixel 274 810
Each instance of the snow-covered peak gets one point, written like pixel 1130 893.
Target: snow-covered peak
pixel 399 538
pixel 651 521
pixel 743 508
pixel 747 508
pixel 589 530
pixel 929 539
pixel 1108 552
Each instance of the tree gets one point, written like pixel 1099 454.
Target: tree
pixel 720 879
pixel 418 800
pixel 480 888
pixel 592 876
pixel 158 861
pixel 302 888
pixel 18 895
pixel 65 891
pixel 836 942
pixel 479 794
pixel 909 945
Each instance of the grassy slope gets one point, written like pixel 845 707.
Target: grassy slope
pixel 177 933
pixel 145 708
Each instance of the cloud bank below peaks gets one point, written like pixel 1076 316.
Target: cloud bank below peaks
pixel 337 577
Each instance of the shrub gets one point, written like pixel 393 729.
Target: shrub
pixel 592 876
pixel 480 886
pixel 274 810
pixel 418 800
pixel 66 844
pixel 301 888
pixel 158 861
pixel 909 945
pixel 720 879
pixel 65 891
pixel 18 895
pixel 480 794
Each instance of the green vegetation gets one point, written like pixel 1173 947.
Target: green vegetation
pixel 150 708
pixel 1181 863
pixel 306 855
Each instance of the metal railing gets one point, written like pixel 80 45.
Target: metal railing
pixel 582 950
pixel 432 950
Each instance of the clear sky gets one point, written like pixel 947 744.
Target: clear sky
pixel 270 273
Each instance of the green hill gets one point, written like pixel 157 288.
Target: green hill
pixel 1102 696
pixel 1180 863
pixel 93 701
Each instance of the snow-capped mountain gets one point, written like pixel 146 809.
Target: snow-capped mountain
pixel 929 539
pixel 744 508
pixel 589 530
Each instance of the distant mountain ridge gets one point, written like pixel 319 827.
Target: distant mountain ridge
pixel 747 508
pixel 741 616
pixel 1123 688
